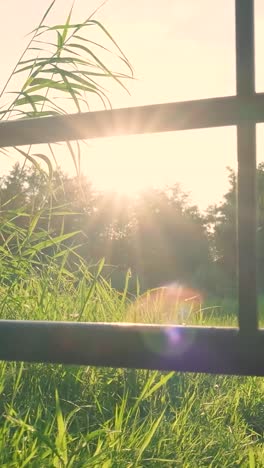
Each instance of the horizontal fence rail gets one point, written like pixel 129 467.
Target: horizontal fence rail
pixel 187 115
pixel 161 347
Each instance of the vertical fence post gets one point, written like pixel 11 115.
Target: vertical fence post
pixel 246 184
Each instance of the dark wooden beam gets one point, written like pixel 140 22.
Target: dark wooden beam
pixel 246 178
pixel 161 347
pixel 205 113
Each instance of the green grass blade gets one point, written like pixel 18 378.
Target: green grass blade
pixel 49 243
pixel 149 435
pixel 61 439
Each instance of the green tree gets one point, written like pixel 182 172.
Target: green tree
pixel 221 221
pixel 170 238
pixel 12 189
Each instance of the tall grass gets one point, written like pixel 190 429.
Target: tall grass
pixel 64 68
pixel 67 416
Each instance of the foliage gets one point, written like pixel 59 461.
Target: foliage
pixel 159 235
pixel 64 67
pixel 222 222
pixel 66 416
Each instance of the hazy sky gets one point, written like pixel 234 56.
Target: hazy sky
pixel 180 50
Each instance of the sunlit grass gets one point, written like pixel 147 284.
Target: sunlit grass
pixel 58 416
pixel 67 416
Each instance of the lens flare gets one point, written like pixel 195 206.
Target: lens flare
pixel 172 342
pixel 173 304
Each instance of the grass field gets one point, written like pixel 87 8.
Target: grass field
pixel 74 417
pixel 57 416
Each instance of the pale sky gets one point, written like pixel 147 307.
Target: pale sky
pixel 180 50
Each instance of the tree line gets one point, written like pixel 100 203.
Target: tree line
pixel 160 236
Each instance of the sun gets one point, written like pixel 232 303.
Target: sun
pixel 129 165
pixel 121 165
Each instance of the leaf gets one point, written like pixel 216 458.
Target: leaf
pixel 100 267
pixel 65 30
pixel 52 84
pixel 163 380
pixel 94 435
pixel 99 62
pixel 149 435
pixel 33 223
pixel 49 243
pixel 47 12
pixel 35 163
pixel 100 25
pixel 69 87
pixel 47 161
pixel 125 290
pixel 61 438
pixel 251 458
pixel 29 158
pixel 76 163
pixel 75 76
pixel 27 47
pixel 60 42
pixel 47 61
pixel 28 99
pixel 85 86
pixel 39 114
